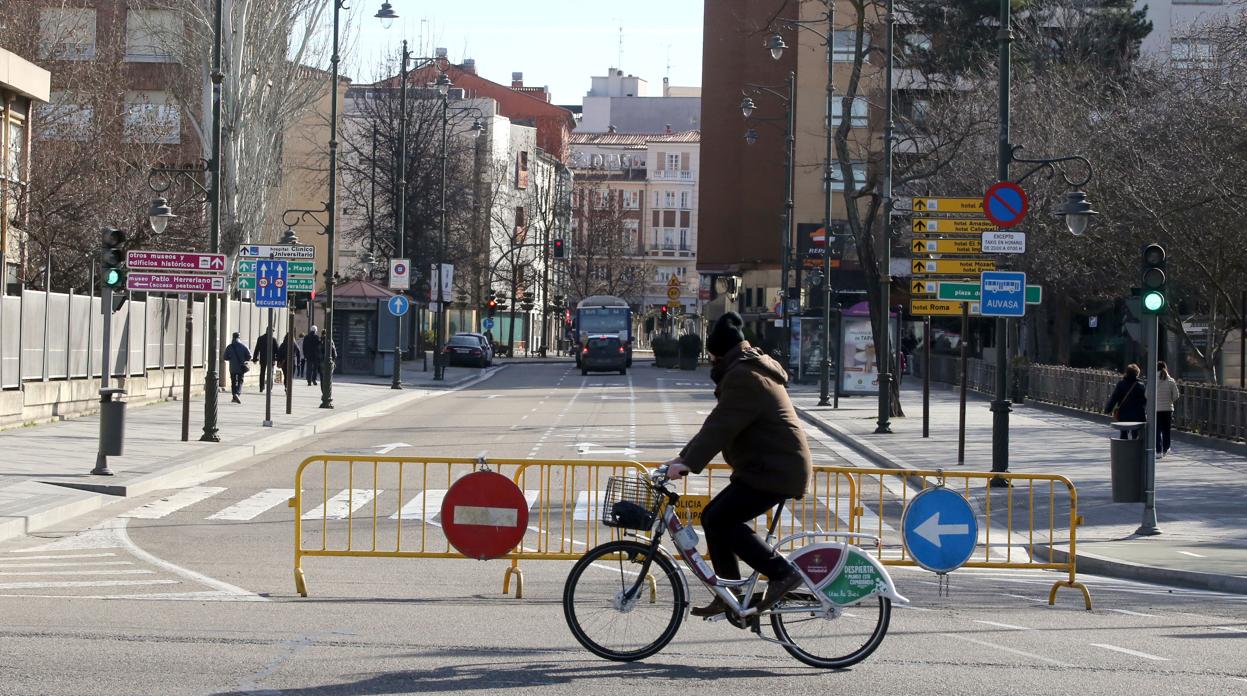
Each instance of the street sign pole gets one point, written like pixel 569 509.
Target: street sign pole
pixel 268 379
pixel 1151 329
pixel 289 369
pixel 926 376
pixel 186 369
pixel 961 427
pixel 106 308
pixel 1000 405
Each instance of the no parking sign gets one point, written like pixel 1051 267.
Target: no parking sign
pixel 400 274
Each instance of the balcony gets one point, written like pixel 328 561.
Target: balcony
pixel 672 174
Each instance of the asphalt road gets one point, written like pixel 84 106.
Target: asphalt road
pixel 190 591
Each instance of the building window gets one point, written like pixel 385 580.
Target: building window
pixel 684 240
pixel 149 33
pixel 684 200
pixel 859 176
pixel 668 239
pixel 668 199
pixel 16 155
pixel 152 117
pixel 760 296
pixel 748 298
pixel 62 119
pixel 67 33
pixel 859 112
pixel 521 225
pixel 657 202
pixel 521 169
pixel 845 46
pixel 632 232
pixel 673 162
pixel 1189 53
pixel 632 200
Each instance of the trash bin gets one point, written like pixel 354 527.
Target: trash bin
pixel 1126 460
pixel 112 422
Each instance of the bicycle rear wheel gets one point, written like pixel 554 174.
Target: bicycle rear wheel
pixel 608 623
pixel 819 641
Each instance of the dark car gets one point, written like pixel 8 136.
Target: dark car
pixel 465 350
pixel 603 354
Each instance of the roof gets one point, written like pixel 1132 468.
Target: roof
pixel 638 139
pixel 362 289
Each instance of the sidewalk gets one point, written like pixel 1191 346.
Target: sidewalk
pixel 1200 490
pixel 44 473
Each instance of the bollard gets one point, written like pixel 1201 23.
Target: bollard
pixel 112 429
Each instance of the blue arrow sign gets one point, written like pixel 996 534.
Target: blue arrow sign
pixel 488 323
pixel 1002 294
pixel 398 305
pixel 939 530
pixel 270 283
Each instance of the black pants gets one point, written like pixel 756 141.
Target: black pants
pixel 728 536
pixel 1164 426
pixel 312 370
pixel 264 368
pixel 235 383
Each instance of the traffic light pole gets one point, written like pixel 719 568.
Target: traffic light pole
pixel 106 308
pixel 1151 329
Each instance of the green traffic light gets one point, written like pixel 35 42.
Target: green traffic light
pixel 1153 301
pixel 112 278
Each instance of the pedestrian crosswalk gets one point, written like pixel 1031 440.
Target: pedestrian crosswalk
pixel 254 506
pixel 172 503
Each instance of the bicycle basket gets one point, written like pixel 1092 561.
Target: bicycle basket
pixel 629 503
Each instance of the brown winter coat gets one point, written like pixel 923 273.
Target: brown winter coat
pixel 754 425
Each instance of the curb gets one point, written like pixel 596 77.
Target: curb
pixel 876 455
pixel 103 494
pixel 1099 565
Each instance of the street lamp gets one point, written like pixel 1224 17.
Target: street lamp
pixel 387 15
pixel 159 215
pixel 777 46
pixel 1077 212
pixel 747 107
pixel 751 136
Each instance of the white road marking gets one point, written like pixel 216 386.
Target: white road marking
pixel 40 558
pixel 118 529
pixel 583 501
pixel 6 566
pixel 492 396
pixel 1192 555
pixel 1018 596
pixel 80 572
pixel 254 506
pixel 993 646
pixel 342 504
pixel 1231 629
pixel 158 509
pixel 1128 651
pixel 1010 627
pixel 1127 612
pixel 426 505
pixel 81 583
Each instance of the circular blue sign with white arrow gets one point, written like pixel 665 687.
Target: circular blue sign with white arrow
pixel 398 305
pixel 939 529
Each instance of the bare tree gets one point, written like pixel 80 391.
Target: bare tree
pixel 605 256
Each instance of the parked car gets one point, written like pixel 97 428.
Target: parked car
pixel 604 354
pixel 465 350
pixel 486 345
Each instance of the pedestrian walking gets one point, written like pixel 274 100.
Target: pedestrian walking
pixel 236 355
pixel 289 349
pixel 1166 395
pixel 265 351
pixel 298 355
pixel 756 428
pixel 312 354
pixel 1129 400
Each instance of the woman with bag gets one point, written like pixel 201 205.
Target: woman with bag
pixel 1166 394
pixel 1129 400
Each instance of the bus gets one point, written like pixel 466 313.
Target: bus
pixel 602 315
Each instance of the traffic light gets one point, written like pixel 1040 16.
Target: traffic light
pixel 662 311
pixel 491 302
pixel 113 258
pixel 1153 299
pixel 559 251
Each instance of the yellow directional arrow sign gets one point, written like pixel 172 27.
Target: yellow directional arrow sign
pixel 939 307
pixel 923 287
pixel 952 266
pixel 951 225
pixel 947 246
pixel 947 204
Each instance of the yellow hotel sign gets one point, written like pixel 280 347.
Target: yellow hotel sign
pixel 940 307
pixel 947 246
pixel 946 204
pixel 952 267
pixel 922 225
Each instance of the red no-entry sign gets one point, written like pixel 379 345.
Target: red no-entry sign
pixel 484 515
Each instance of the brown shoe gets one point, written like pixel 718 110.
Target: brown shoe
pixel 714 608
pixel 776 589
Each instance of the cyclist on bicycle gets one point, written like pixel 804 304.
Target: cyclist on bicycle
pixel 756 428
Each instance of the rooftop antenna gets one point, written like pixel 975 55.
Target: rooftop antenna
pixel 619 57
pixel 668 63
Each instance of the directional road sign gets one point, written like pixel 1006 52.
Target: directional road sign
pixel 952 266
pixel 1005 204
pixel 488 323
pixel 137 260
pixel 939 529
pixel 166 282
pixel 296 269
pixel 1003 294
pixel 946 204
pixel 939 308
pixel 484 515
pixel 398 305
pixel 971 292
pixel 950 225
pixel 270 283
pixel 946 246
pixel 277 251
pixel 923 287
pixel 293 283
pixel 1004 242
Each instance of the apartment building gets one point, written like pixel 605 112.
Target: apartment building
pixel 23 87
pixel 1172 22
pixel 622 103
pixel 654 179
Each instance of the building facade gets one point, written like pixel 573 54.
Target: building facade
pixel 620 102
pixel 23 86
pixel 1172 22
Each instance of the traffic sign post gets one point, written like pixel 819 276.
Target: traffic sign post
pixel 939 308
pixel 1004 242
pixel 294 269
pixel 953 266
pixel 167 282
pixel 946 246
pixel 1003 294
pixel 400 274
pixel 398 305
pixel 1005 204
pixel 270 283
pixel 277 251
pixel 946 204
pixel 484 515
pixel 939 530
pixel 138 260
pixel 971 292
pixel 923 225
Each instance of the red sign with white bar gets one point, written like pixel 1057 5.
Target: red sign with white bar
pixel 163 282
pixel 138 260
pixel 484 515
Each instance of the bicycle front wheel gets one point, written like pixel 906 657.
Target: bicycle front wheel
pixel 818 640
pixel 613 618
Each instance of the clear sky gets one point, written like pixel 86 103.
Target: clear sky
pixel 557 43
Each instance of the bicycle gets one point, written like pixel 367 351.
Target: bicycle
pixel 808 622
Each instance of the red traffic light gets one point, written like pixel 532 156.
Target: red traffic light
pixel 558 248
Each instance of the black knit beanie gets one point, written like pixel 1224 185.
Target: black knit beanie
pixel 725 335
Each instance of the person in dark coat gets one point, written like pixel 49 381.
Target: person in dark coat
pixel 265 351
pixel 312 354
pixel 756 428
pixel 289 349
pixel 237 356
pixel 1129 399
